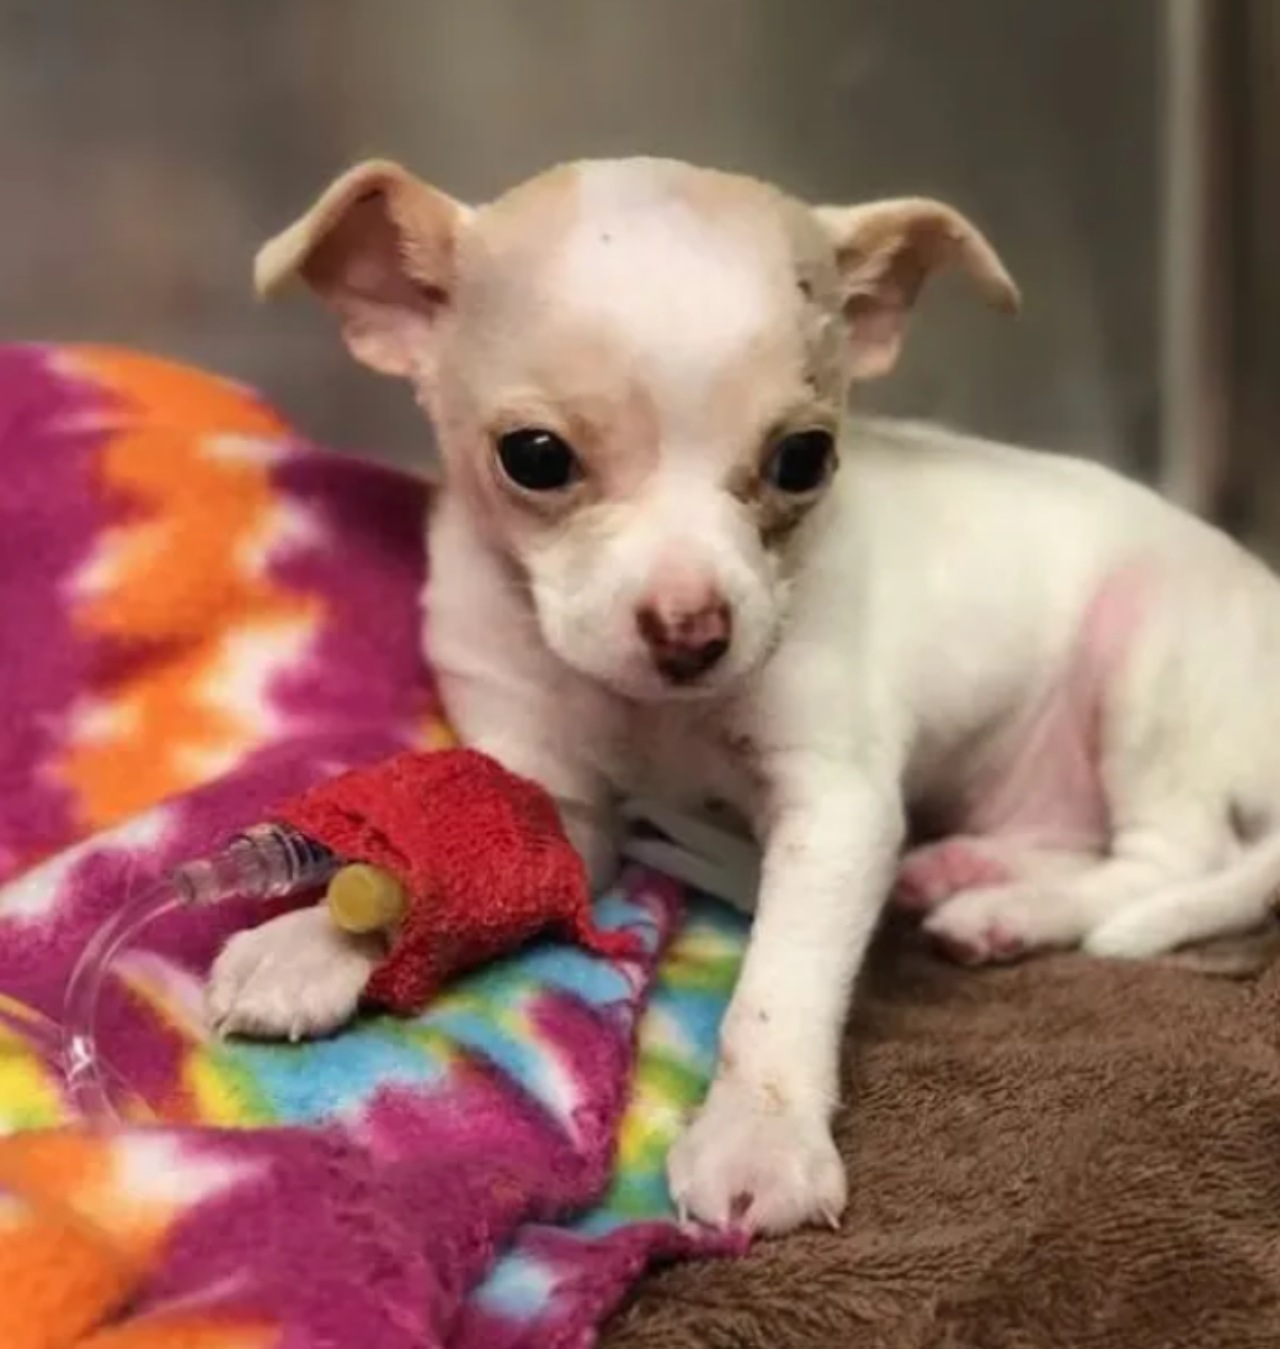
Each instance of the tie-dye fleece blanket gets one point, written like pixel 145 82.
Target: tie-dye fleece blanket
pixel 200 615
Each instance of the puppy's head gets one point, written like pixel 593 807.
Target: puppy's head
pixel 636 372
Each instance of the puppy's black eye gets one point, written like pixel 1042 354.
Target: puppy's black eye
pixel 801 462
pixel 538 460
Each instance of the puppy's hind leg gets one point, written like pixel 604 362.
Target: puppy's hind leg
pixel 934 873
pixel 1186 739
pixel 994 900
pixel 1061 908
pixel 1237 899
pixel 999 923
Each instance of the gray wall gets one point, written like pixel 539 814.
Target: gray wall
pixel 1251 272
pixel 149 145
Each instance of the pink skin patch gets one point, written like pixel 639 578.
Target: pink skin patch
pixel 1048 787
pixel 930 875
pixel 1047 793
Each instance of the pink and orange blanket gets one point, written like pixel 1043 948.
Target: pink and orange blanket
pixel 200 615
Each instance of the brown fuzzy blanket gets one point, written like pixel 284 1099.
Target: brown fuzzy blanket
pixel 1066 1154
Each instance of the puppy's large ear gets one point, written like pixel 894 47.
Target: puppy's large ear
pixel 379 248
pixel 885 251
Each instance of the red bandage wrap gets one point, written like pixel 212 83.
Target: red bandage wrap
pixel 480 852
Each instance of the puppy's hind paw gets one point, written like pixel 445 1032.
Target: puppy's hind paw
pixel 981 927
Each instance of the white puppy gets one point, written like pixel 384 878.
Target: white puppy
pixel 667 561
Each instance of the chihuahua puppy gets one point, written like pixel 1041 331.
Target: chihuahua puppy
pixel 667 561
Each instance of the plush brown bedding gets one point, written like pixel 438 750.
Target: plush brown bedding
pixel 1069 1153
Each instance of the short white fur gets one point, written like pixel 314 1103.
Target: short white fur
pixel 934 595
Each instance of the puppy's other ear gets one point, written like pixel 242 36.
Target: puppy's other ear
pixel 885 251
pixel 379 248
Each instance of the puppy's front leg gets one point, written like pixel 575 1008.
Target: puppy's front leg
pixel 507 696
pixel 298 976
pixel 760 1153
pixel 531 733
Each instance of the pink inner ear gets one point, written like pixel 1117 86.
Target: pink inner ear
pixel 877 324
pixel 363 258
pixel 360 268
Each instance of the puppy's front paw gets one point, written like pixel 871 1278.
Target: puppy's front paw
pixel 294 978
pixel 757 1164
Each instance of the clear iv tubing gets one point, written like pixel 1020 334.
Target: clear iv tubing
pixel 263 863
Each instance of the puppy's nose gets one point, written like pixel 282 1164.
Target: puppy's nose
pixel 685 640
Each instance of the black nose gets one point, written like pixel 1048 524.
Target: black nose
pixel 685 664
pixel 685 646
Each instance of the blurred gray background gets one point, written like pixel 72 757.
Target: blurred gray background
pixel 149 146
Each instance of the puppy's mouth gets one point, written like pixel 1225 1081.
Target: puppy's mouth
pixel 686 678
pixel 683 667
pixel 659 689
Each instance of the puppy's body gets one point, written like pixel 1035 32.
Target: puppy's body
pixel 1041 659
pixel 646 576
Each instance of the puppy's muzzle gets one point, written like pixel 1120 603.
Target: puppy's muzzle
pixel 686 641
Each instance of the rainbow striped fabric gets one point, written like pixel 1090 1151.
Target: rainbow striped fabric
pixel 200 615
